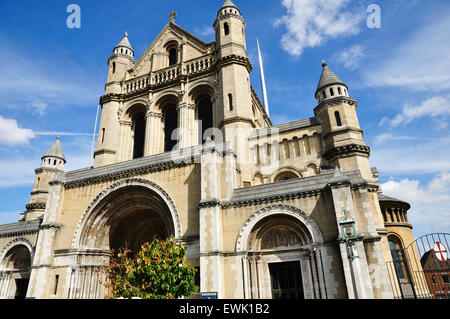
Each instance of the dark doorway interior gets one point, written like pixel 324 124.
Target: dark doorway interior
pixel 21 288
pixel 170 124
pixel 286 280
pixel 205 119
pixel 139 137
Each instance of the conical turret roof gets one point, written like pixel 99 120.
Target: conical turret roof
pixel 228 3
pixel 55 150
pixel 125 42
pixel 328 77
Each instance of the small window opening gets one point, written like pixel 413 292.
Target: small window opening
pixel 114 67
pixel 324 94
pixel 331 92
pixel 103 135
pixel 338 118
pixel 230 101
pixel 339 91
pixel 55 289
pixel 226 28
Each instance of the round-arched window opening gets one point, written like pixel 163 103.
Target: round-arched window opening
pixel 283 176
pixel 173 58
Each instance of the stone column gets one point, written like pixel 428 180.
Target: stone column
pixel 356 270
pixel 211 260
pixel 43 258
pixel 151 136
pixel 184 131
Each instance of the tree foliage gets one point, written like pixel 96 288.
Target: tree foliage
pixel 158 271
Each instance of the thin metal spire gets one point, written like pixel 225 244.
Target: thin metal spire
pixel 93 138
pixel 263 81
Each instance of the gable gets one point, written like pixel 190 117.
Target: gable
pixel 153 58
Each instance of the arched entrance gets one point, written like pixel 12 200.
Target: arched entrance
pixel 15 269
pixel 125 215
pixel 281 243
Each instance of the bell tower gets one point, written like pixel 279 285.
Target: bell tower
pixel 234 102
pixel 119 63
pixel 345 146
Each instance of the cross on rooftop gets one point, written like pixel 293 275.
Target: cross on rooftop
pixel 172 16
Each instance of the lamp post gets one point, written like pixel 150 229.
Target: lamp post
pixel 349 236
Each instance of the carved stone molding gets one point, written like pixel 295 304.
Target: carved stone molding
pixel 37 205
pixel 121 184
pixel 346 150
pixel 303 218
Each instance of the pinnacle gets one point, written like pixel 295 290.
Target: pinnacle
pixel 328 77
pixel 55 150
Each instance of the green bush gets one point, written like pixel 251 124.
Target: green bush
pixel 158 271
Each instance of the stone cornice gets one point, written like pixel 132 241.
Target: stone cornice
pixel 46 170
pixel 120 55
pixel 287 190
pixel 234 120
pixel 140 166
pixel 38 205
pixel 231 59
pixel 346 150
pixel 334 101
pixel 397 224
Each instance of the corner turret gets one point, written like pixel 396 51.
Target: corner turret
pixel 52 163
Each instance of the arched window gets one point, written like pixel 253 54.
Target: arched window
pixel 283 176
pixel 398 257
pixel 331 92
pixel 205 118
pixel 305 139
pixel 114 67
pixel 230 101
pixel 338 118
pixel 339 91
pixel 139 136
pixel 324 94
pixel 173 56
pixel 226 28
pixel 170 124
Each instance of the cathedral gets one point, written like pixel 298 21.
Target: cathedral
pixel 186 149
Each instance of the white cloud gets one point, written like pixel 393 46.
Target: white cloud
pixel 421 62
pixel 385 137
pixel 351 57
pixel 11 134
pixel 38 107
pixel 310 23
pixel 205 31
pixel 430 203
pixel 437 106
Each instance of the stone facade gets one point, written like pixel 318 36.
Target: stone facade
pixel 240 193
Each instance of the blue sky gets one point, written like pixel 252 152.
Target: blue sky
pixel 51 78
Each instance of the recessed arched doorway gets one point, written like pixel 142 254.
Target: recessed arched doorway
pixel 15 272
pixel 282 246
pixel 125 215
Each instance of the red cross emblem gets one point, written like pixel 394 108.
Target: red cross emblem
pixel 440 251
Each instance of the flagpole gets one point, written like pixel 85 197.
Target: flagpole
pixel 93 137
pixel 263 81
